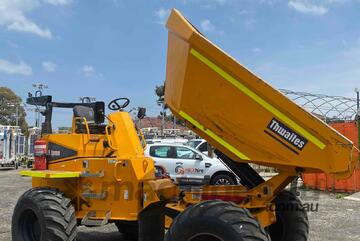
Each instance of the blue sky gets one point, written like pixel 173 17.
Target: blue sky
pixel 114 48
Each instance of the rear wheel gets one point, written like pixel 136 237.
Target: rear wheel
pixel 43 214
pixel 222 179
pixel 216 221
pixel 129 229
pixel 292 220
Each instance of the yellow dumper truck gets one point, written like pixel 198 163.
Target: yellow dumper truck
pixel 98 173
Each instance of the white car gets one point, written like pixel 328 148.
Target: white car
pixel 198 144
pixel 172 140
pixel 185 165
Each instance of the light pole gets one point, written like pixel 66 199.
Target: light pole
pixel 133 111
pixel 358 116
pixel 357 99
pixel 17 114
pixel 16 105
pixel 174 122
pixel 39 88
pixel 87 99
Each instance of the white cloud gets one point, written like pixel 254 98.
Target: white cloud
pixel 162 14
pixel 257 50
pixel 323 76
pixel 88 70
pixel 250 23
pixel 305 6
pixel 246 12
pixel 49 66
pixel 58 2
pixel 338 1
pixel 13 15
pixel 207 26
pixel 24 25
pixel 15 68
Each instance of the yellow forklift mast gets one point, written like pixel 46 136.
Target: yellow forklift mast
pixel 98 174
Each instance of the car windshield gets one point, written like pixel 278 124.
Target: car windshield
pixel 193 143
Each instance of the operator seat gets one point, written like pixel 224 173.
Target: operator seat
pixel 81 112
pixel 84 112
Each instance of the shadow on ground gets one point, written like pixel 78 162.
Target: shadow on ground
pixel 96 235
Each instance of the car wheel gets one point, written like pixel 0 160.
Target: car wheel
pixel 222 179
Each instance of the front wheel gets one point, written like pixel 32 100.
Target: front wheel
pixel 216 221
pixel 43 214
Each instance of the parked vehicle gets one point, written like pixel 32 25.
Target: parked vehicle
pixel 199 144
pixel 34 134
pixel 167 140
pixel 186 165
pixel 11 145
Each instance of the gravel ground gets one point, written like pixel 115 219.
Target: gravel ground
pixel 335 219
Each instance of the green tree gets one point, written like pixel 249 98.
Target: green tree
pixel 160 93
pixel 11 108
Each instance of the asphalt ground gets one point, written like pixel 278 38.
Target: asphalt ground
pixel 332 218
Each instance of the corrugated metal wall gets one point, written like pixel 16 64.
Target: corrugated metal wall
pixel 326 182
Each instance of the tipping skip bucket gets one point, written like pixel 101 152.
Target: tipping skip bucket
pixel 240 114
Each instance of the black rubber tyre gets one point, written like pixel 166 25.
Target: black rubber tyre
pixel 292 220
pixel 216 221
pixel 222 179
pixel 43 214
pixel 129 229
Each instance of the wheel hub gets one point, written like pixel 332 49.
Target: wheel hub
pixel 222 181
pixel 205 237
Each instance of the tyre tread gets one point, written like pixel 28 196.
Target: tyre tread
pixel 227 212
pixel 297 220
pixel 58 212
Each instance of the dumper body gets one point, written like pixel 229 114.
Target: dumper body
pixel 241 114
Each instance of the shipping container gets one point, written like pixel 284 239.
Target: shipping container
pixel 325 182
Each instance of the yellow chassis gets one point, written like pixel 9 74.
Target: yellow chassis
pixel 258 200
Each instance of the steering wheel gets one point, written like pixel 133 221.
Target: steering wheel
pixel 114 104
